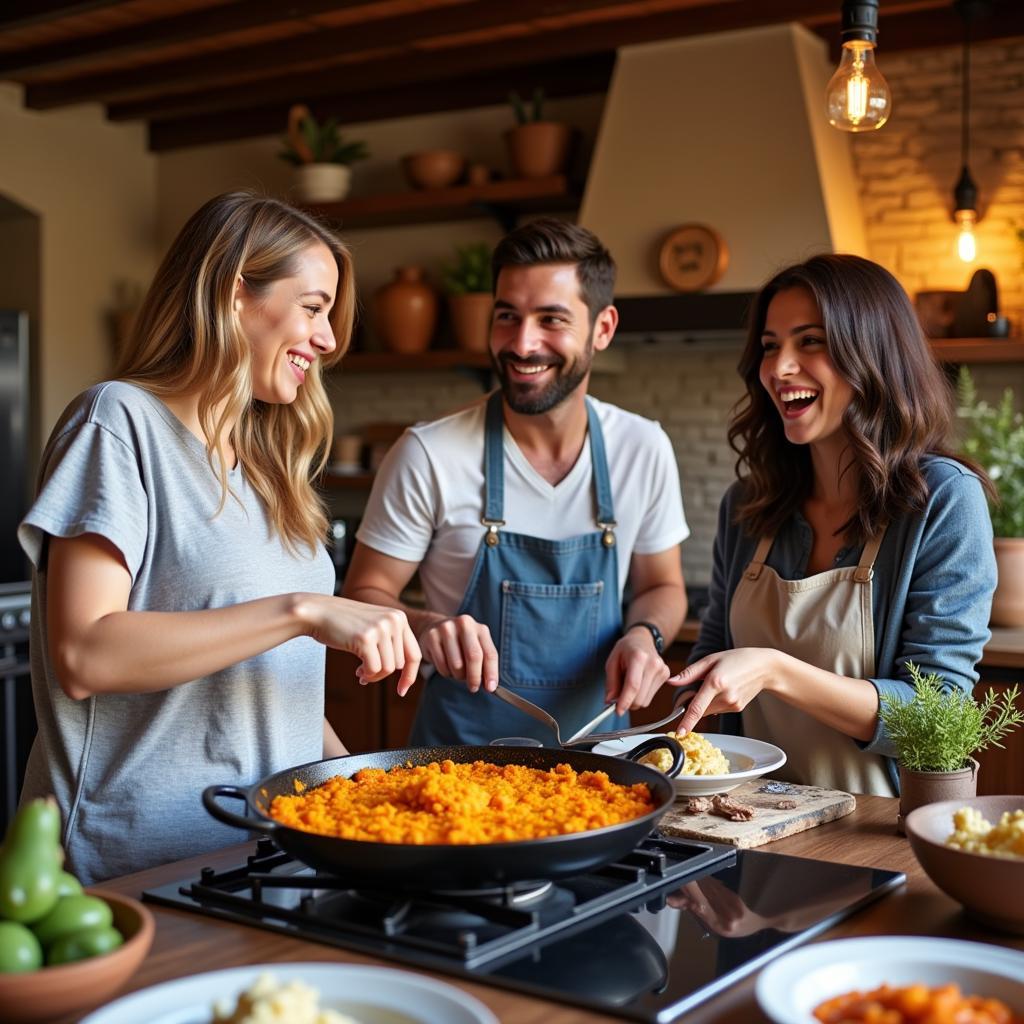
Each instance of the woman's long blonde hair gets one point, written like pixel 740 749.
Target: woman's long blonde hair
pixel 187 340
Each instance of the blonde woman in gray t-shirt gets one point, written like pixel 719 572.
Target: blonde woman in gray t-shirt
pixel 182 592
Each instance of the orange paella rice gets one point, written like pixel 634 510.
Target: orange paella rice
pixel 446 802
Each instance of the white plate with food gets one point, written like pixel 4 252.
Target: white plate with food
pixel 790 989
pixel 360 995
pixel 746 759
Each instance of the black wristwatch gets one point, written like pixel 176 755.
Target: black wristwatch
pixel 659 640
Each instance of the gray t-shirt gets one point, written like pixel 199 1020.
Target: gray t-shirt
pixel 128 769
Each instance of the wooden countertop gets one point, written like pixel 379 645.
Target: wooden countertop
pixel 1004 650
pixel 188 943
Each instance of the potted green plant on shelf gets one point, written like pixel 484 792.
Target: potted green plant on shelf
pixel 321 155
pixel 537 148
pixel 937 733
pixel 468 283
pixel 993 436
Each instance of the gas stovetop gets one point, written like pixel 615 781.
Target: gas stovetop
pixel 645 939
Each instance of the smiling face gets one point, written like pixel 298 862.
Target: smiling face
pixel 287 326
pixel 542 341
pixel 797 370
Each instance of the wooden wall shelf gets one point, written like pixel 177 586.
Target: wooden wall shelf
pixel 978 350
pixel 504 200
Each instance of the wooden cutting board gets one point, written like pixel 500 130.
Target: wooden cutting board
pixel 814 806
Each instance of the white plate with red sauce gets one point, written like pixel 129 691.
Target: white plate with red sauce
pixel 789 989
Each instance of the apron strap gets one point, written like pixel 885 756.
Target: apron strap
pixel 756 564
pixel 865 567
pixel 494 472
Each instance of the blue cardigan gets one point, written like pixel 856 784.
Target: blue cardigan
pixel 931 592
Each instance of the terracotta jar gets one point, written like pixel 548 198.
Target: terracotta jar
pixel 471 320
pixel 920 788
pixel 1008 600
pixel 406 311
pixel 538 149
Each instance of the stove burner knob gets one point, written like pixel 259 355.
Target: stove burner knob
pixel 24 618
pixel 8 621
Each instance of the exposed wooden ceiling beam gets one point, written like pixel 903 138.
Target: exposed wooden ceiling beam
pixel 161 32
pixel 299 52
pixel 19 13
pixel 413 68
pixel 570 77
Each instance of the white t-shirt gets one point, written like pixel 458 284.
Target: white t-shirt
pixel 428 497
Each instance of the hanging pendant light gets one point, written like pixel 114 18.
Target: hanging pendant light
pixel 857 98
pixel 965 193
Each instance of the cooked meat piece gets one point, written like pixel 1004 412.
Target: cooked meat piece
pixel 786 805
pixel 698 805
pixel 725 807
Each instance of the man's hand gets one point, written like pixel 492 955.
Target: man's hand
pixel 634 672
pixel 461 648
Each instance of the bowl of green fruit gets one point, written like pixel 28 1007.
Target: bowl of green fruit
pixel 63 949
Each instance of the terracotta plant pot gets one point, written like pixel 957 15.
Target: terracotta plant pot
pixel 471 320
pixel 538 149
pixel 322 183
pixel 433 168
pixel 1008 600
pixel 406 312
pixel 920 788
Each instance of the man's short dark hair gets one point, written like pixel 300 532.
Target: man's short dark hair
pixel 549 240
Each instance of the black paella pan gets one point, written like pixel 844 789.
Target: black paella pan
pixel 409 866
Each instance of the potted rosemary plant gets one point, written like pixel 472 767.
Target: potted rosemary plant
pixel 994 438
pixel 467 280
pixel 537 148
pixel 937 733
pixel 321 156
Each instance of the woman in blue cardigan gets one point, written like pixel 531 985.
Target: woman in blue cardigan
pixel 853 542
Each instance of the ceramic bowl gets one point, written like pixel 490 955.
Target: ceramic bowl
pixel 74 988
pixel 433 168
pixel 991 889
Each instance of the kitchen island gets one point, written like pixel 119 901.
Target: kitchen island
pixel 188 943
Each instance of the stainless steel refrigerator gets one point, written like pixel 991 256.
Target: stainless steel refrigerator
pixel 17 717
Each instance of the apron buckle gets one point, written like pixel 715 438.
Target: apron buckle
pixel 608 536
pixel 491 537
pixel 864 574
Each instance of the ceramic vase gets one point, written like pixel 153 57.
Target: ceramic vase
pixel 538 149
pixel 920 788
pixel 471 320
pixel 1008 600
pixel 406 312
pixel 322 183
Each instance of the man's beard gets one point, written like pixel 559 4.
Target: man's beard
pixel 530 400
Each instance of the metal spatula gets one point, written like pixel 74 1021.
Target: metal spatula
pixel 585 735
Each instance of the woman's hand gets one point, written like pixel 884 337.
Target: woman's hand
pixel 379 637
pixel 729 680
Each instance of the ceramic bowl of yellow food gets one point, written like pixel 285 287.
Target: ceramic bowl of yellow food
pixel 746 759
pixel 985 871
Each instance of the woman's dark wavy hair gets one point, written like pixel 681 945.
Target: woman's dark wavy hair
pixel 901 409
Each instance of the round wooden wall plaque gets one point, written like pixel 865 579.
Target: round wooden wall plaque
pixel 692 257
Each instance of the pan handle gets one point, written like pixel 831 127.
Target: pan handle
pixel 670 743
pixel 210 795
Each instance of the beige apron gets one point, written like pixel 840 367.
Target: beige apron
pixel 824 620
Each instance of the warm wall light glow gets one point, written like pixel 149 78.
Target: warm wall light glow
pixel 966 247
pixel 858 97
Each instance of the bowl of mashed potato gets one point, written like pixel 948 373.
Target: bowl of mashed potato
pixel 973 850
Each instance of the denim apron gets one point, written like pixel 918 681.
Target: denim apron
pixel 553 610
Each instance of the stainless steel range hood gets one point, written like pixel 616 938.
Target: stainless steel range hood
pixel 726 130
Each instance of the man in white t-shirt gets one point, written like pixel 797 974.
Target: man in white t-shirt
pixel 529 514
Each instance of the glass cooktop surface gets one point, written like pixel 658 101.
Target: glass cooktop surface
pixel 644 939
